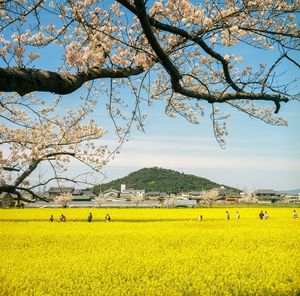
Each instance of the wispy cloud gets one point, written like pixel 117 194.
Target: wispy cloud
pixel 186 155
pixel 243 165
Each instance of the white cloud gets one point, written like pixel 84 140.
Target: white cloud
pixel 238 166
pixel 197 153
pixel 244 166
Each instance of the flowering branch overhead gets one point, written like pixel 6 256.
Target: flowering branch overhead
pixel 146 22
pixel 109 42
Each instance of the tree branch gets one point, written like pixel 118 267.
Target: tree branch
pixel 183 33
pixel 27 172
pixel 11 189
pixel 145 20
pixel 11 169
pixel 24 81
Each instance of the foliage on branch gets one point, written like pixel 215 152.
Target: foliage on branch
pixel 33 134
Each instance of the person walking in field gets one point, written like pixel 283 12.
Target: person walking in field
pixel 295 214
pixel 62 218
pixel 51 219
pixel 90 217
pixel 227 215
pixel 107 218
pixel 266 215
pixel 200 218
pixel 237 214
pixel 261 215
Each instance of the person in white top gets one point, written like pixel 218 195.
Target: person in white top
pixel 295 214
pixel 266 215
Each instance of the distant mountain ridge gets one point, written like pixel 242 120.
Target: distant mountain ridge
pixel 293 191
pixel 162 180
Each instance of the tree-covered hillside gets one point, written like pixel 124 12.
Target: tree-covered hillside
pixel 159 179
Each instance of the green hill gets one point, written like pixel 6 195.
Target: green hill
pixel 163 180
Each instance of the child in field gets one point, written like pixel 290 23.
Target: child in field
pixel 200 218
pixel 295 214
pixel 227 215
pixel 107 218
pixel 90 217
pixel 266 215
pixel 237 215
pixel 51 219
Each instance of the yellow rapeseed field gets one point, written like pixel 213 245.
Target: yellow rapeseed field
pixel 149 252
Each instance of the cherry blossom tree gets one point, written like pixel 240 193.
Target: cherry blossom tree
pixel 99 200
pixel 136 198
pixel 161 201
pixel 172 200
pixel 210 196
pixel 34 134
pixel 64 199
pixel 186 54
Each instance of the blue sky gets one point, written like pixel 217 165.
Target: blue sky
pixel 257 155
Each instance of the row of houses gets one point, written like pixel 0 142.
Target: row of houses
pixel 87 195
pixel 125 194
pixel 110 194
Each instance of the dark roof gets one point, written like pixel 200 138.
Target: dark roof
pixel 77 192
pixel 153 193
pixel 60 189
pixel 87 190
pixel 195 193
pixel 267 192
pixel 82 198
pixel 111 191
